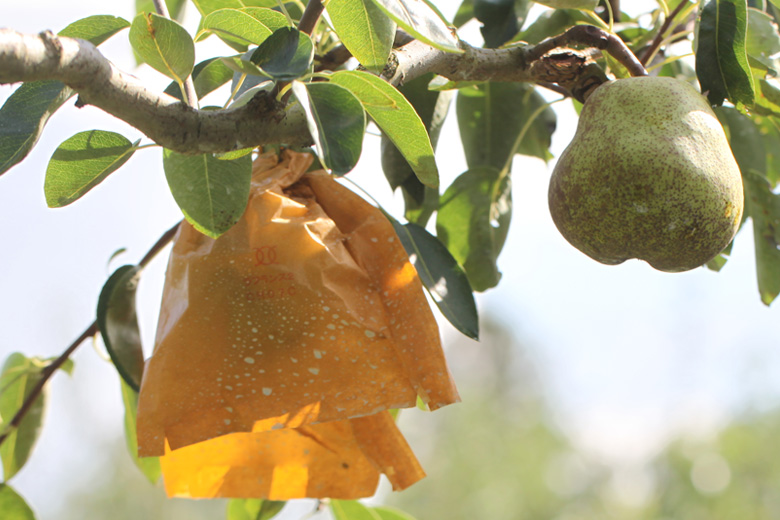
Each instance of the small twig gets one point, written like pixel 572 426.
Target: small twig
pixel 615 5
pixel 310 16
pixel 46 373
pixel 190 96
pixel 90 331
pixel 555 88
pixel 650 51
pixel 594 37
pixel 161 243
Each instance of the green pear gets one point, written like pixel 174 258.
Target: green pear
pixel 649 174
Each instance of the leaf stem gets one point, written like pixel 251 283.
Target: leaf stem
pixel 235 90
pixel 286 13
pixel 90 331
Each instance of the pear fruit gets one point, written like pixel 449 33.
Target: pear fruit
pixel 649 174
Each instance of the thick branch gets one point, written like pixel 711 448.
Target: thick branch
pixel 592 37
pixel 162 118
pixel 183 129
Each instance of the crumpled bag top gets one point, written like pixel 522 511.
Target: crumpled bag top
pixel 306 311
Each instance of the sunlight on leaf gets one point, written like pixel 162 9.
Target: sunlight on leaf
pixel 211 193
pixel 149 466
pixel 365 30
pixel 420 20
pixel 19 376
pixel 397 118
pixel 13 506
pixel 82 162
pixel 241 27
pixel 163 44
pixel 473 222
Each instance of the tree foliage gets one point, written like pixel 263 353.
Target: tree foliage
pixel 291 77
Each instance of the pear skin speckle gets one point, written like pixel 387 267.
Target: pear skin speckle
pixel 649 174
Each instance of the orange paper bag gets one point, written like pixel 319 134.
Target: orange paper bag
pixel 337 459
pixel 306 311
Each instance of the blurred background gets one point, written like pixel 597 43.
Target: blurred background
pixel 595 392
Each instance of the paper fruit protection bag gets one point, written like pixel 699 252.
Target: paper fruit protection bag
pixel 281 345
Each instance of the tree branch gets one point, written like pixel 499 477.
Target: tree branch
pixel 163 118
pixel 184 129
pixel 90 331
pixel 310 16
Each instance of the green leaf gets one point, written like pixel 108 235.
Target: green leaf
pixel 241 27
pixel 211 193
pixel 207 76
pixel 285 55
pixel 149 466
pixel 721 59
pixel 549 23
pixel 81 162
pixel 388 513
pixel 396 117
pixel 175 7
pixel 23 117
pixel 420 201
pixel 235 154
pixel 67 366
pixel 352 510
pixel 336 122
pixel 13 505
pixel 422 21
pixel 499 21
pixel 763 207
pixel 365 30
pixel 464 14
pixel 491 117
pixel 95 29
pixel 473 221
pixel 19 376
pixel 208 6
pixel 763 41
pixel 27 110
pixel 588 5
pixel 717 263
pixel 118 324
pixel 442 276
pixel 163 44
pixel 242 66
pixel 744 139
pixel 253 509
